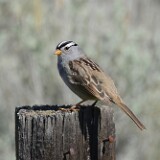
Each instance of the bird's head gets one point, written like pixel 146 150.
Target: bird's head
pixel 68 49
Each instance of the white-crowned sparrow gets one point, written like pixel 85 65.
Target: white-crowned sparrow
pixel 86 79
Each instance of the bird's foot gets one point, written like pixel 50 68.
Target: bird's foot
pixel 75 108
pixel 94 103
pixel 71 109
pixel 65 109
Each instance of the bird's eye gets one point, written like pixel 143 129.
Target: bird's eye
pixel 66 48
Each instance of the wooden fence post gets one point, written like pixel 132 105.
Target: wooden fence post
pixel 47 133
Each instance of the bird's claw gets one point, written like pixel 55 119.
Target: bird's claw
pixel 71 109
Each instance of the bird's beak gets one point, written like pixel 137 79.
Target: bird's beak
pixel 58 52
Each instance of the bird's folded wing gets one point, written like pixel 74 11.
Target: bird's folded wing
pixel 83 74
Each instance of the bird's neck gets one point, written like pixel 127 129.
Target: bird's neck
pixel 70 57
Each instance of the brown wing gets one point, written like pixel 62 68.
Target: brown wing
pixel 88 74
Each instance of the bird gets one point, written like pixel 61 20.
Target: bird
pixel 86 78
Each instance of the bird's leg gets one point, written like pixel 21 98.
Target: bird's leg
pixel 94 103
pixel 75 107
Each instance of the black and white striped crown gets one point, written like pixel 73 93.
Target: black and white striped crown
pixel 67 44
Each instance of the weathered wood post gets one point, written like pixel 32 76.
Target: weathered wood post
pixel 47 133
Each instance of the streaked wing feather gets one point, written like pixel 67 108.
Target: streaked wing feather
pixel 82 74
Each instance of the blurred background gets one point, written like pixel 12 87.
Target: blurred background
pixel 123 36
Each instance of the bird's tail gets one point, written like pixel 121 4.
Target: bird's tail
pixel 131 115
